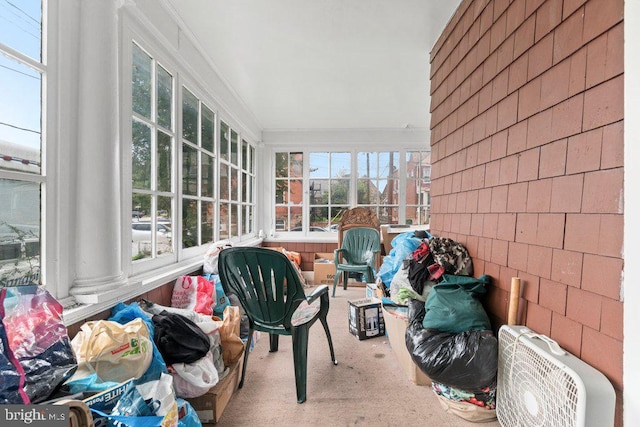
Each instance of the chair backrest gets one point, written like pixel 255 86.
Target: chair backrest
pixel 265 282
pixel 357 217
pixel 361 243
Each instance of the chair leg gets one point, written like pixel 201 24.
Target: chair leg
pixel 325 325
pixel 345 279
pixel 246 357
pixel 273 343
pixel 300 337
pixel 335 282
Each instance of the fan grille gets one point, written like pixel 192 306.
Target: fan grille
pixel 533 390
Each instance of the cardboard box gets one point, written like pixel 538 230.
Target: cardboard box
pixel 324 270
pixel 396 328
pixel 365 318
pixel 210 405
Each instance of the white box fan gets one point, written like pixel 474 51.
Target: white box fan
pixel 540 384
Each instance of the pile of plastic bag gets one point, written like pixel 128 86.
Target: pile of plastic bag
pixel 449 335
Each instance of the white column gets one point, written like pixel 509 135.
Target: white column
pixel 98 229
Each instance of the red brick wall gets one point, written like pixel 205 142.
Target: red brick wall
pixel 527 154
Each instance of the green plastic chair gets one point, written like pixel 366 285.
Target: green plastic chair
pixel 360 248
pixel 272 296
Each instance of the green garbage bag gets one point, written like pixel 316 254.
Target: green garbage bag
pixel 453 306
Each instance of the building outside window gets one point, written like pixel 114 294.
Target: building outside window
pixel 22 141
pixel 378 184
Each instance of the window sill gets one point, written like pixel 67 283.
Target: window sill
pixel 299 237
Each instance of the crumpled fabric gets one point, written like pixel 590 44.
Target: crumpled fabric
pixel 451 255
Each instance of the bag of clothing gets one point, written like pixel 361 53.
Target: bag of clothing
pixel 35 341
pixel 468 360
pixel 453 305
pixel 179 339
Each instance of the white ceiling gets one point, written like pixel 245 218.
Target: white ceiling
pixel 323 64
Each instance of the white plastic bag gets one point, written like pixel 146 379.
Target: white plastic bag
pixel 113 351
pixel 194 379
pixel 162 391
pixel 211 256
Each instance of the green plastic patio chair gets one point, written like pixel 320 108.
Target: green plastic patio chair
pixel 358 254
pixel 272 296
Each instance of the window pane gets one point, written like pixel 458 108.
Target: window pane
pixel 164 161
pixel 189 170
pixel 207 221
pixel 319 191
pixel 388 215
pixel 208 177
pixel 367 192
pixel 208 137
pixel 234 147
pixel 296 218
pixel 141 82
pixel 20 26
pixel 296 167
pixel 234 184
pixel 253 159
pixel 235 221
pixel 245 187
pixel 282 189
pixel 388 164
pixel 319 217
pixel 336 214
pixel 164 232
pixel 367 165
pixel 141 155
pixel 282 165
pixel 224 182
pixel 389 195
pixel 245 154
pixel 224 141
pixel 20 116
pixel 19 233
pixel 189 223
pixel 165 98
pixel 140 228
pixel 295 192
pixel 248 219
pixel 282 218
pixel 340 191
pixel 319 165
pixel 224 220
pixel 189 116
pixel 340 165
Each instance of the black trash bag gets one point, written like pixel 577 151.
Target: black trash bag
pixel 468 360
pixel 179 339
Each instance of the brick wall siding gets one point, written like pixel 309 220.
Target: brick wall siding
pixel 527 155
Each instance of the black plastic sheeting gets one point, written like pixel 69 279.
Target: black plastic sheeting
pixel 468 360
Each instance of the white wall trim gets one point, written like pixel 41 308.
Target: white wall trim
pixel 631 279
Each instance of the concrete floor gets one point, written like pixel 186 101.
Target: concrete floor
pixel 368 386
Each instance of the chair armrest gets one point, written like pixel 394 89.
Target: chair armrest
pixel 336 255
pixel 317 293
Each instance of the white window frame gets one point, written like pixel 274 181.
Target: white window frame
pixel 275 234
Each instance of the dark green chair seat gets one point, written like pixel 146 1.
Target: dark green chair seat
pixel 358 254
pixel 272 296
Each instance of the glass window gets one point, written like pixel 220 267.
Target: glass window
pixel 21 141
pixel 152 161
pixel 418 187
pixel 377 184
pixel 288 191
pixel 198 171
pixel 329 189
